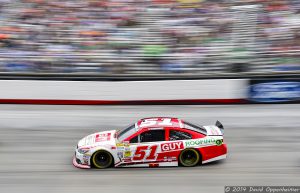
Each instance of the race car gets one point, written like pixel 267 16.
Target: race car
pixel 152 142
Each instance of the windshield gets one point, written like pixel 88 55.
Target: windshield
pixel 124 133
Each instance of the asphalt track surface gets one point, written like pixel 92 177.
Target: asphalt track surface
pixel 37 143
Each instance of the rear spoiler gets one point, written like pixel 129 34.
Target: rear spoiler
pixel 220 126
pixel 214 130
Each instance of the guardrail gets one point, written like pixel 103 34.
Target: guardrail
pixel 143 77
pixel 155 90
pixel 217 91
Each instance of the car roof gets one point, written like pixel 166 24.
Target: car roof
pixel 159 122
pixel 171 122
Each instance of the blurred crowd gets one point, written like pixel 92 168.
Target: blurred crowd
pixel 149 36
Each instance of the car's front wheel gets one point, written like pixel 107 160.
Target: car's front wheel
pixel 189 157
pixel 102 159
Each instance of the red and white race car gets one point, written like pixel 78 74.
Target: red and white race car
pixel 152 142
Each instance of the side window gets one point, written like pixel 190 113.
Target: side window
pixel 179 135
pixel 153 135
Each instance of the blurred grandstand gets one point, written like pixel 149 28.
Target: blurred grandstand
pixel 149 37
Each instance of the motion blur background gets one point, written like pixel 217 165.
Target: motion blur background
pixel 149 36
pixel 59 60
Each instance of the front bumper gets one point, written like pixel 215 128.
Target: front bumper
pixel 81 160
pixel 78 165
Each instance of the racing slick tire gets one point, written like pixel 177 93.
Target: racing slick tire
pixel 189 158
pixel 102 159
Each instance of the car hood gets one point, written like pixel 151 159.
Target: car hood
pixel 99 138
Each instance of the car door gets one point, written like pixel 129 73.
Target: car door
pixel 144 147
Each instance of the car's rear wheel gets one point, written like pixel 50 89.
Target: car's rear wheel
pixel 189 157
pixel 102 159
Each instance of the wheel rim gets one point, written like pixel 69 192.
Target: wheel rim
pixel 189 158
pixel 102 159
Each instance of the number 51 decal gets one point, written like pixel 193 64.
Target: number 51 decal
pixel 154 121
pixel 140 153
